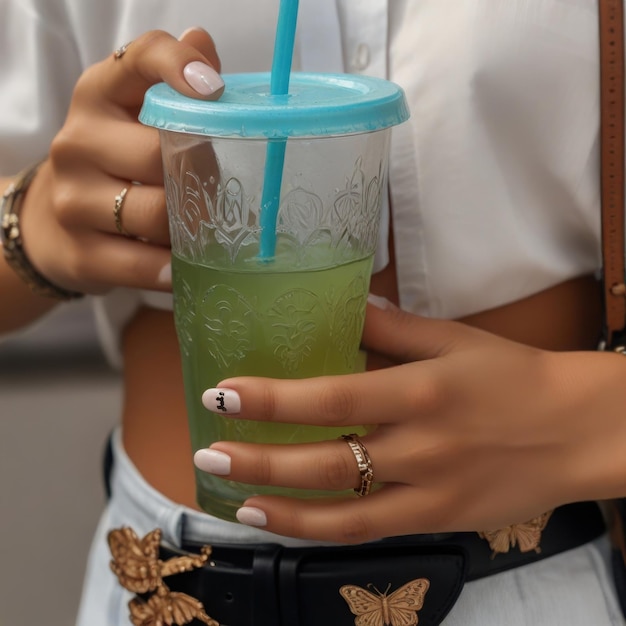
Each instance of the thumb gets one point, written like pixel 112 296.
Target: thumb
pixel 405 337
pixel 200 39
pixel 187 65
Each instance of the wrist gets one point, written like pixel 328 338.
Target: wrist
pixel 13 245
pixel 596 385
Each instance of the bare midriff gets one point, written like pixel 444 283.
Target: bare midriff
pixel 155 434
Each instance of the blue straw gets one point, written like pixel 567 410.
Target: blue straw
pixel 275 153
pixel 283 46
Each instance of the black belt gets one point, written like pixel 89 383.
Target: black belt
pixel 270 585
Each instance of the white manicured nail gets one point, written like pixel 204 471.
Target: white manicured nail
pixel 165 275
pixel 251 516
pixel 222 401
pixel 378 301
pixel 212 461
pixel 202 78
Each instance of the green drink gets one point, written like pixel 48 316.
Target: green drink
pixel 275 323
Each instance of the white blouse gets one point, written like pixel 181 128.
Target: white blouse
pixel 495 178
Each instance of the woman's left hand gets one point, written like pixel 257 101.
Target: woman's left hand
pixel 473 432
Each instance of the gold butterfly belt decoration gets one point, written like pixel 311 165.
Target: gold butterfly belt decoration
pixel 138 568
pixel 398 608
pixel 526 535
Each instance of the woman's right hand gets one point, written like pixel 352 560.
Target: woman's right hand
pixel 68 224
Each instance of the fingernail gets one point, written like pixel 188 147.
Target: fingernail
pixel 189 30
pixel 222 401
pixel 165 275
pixel 212 461
pixel 203 78
pixel 378 301
pixel 251 516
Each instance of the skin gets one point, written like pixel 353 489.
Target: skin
pixel 480 423
pixel 473 432
pixel 68 232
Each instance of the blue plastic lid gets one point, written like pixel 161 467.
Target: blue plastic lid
pixel 317 104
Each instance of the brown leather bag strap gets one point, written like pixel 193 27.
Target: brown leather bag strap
pixel 612 163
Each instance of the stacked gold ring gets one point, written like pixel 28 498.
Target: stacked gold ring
pixel 364 463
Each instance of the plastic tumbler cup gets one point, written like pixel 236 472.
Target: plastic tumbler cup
pixel 271 291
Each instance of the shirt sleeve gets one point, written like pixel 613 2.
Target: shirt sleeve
pixel 39 68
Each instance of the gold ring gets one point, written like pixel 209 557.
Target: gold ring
pixel 121 51
pixel 364 463
pixel 117 212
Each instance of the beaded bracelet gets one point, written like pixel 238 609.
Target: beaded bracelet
pixel 12 244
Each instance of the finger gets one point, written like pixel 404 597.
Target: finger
pixel 142 211
pixel 123 149
pixel 116 145
pixel 143 214
pixel 377 397
pixel 405 337
pixel 113 260
pixel 155 57
pixel 201 40
pixel 329 465
pixel 392 510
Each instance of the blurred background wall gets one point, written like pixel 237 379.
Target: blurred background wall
pixel 58 401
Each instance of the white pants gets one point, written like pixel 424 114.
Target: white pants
pixel 571 589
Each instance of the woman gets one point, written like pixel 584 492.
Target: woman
pixel 482 424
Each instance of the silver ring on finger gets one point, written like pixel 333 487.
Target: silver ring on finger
pixel 117 212
pixel 364 463
pixel 121 51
